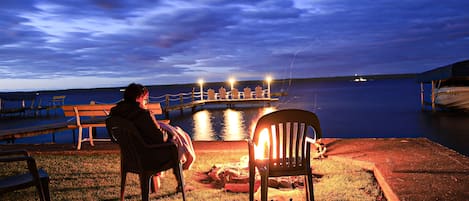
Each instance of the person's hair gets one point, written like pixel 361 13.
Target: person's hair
pixel 133 91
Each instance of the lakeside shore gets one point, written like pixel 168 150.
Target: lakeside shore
pixel 405 168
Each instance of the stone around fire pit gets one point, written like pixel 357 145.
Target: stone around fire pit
pixel 234 177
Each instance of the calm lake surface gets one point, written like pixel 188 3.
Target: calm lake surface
pixel 384 108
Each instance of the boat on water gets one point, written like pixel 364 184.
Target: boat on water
pixel 450 86
pixel 453 94
pixel 359 79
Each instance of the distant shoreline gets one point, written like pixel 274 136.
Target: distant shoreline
pixel 336 78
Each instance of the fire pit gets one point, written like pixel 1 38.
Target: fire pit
pixel 234 177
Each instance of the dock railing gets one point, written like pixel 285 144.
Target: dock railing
pixel 194 98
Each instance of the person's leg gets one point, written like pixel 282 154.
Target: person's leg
pixel 190 153
pixel 186 148
pixel 189 161
pixel 156 182
pixel 187 139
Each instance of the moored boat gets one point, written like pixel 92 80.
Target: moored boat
pixel 450 86
pixel 453 94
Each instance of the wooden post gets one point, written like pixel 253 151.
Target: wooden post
pixel 39 107
pixel 192 95
pixel 181 101
pixel 166 112
pixel 422 96
pixel 433 95
pixel 23 108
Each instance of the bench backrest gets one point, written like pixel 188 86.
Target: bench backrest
pixel 99 110
pixel 96 110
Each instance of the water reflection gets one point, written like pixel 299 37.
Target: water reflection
pixel 235 128
pixel 448 128
pixel 226 124
pixel 203 129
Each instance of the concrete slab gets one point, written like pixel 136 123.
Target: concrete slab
pixel 410 168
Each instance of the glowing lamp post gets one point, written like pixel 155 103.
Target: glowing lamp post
pixel 268 79
pixel 232 80
pixel 201 83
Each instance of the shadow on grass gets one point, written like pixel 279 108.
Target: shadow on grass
pixel 137 197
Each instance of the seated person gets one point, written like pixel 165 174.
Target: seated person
pixel 133 108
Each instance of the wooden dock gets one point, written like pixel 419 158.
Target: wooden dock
pixel 228 102
pixel 10 135
pixel 192 100
pixel 27 105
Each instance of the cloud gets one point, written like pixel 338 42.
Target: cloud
pixel 169 42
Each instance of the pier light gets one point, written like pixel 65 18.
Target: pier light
pixel 232 81
pixel 201 83
pixel 268 79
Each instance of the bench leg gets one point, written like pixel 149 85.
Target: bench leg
pixel 80 133
pixel 90 134
pixel 44 180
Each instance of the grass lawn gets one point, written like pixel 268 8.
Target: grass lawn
pixel 96 177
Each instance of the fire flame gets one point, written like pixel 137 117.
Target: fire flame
pixel 261 150
pixel 263 146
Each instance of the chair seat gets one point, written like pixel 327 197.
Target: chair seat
pixel 20 181
pixel 36 177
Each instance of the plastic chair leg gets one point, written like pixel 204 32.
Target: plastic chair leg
pixel 264 186
pixel 45 188
pixel 309 187
pixel 145 186
pixel 180 178
pixel 123 178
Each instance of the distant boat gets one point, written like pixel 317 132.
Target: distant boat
pixel 450 85
pixel 359 79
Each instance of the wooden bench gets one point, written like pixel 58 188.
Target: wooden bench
pixel 94 115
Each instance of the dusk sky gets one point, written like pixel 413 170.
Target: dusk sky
pixel 62 44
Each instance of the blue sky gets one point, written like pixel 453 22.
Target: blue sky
pixel 62 44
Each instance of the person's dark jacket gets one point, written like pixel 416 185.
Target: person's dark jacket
pixel 143 120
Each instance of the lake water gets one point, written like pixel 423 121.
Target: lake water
pixel 384 108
